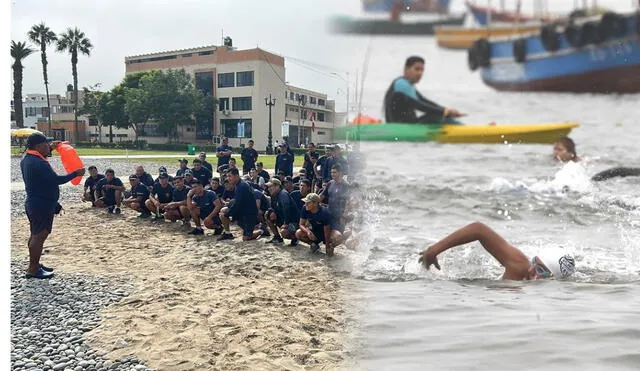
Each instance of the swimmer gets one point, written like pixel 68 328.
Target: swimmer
pixel 565 150
pixel 517 266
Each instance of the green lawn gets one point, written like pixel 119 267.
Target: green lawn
pixel 268 161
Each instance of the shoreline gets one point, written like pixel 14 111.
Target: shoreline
pixel 195 303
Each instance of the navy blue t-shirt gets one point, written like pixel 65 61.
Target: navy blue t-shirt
pixel 108 194
pixel 146 179
pixel 41 182
pixel 180 195
pixel 337 194
pixel 219 191
pixel 181 171
pixel 141 192
pixel 223 160
pixel 205 202
pixel 317 220
pixel 207 165
pixel 164 195
pixel 264 202
pixel 297 199
pixel 228 195
pixel 245 202
pixel 203 175
pixel 91 182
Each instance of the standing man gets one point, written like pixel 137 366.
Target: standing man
pixel 284 161
pixel 203 158
pixel 43 192
pixel 223 152
pixel 308 164
pixel 90 185
pixel 402 99
pixel 249 157
pixel 244 209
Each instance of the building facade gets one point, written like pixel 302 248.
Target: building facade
pixel 242 81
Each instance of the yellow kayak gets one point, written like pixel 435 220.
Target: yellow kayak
pixel 492 134
pixel 457 37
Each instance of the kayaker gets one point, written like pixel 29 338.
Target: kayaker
pixel 403 99
pixel 517 266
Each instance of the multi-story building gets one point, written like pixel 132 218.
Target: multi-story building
pixel 242 81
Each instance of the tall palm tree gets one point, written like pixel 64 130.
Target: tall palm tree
pixel 41 35
pixel 19 51
pixel 74 41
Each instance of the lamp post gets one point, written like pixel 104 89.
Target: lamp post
pixel 301 103
pixel 270 103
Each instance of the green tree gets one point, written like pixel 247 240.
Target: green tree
pixel 114 113
pixel 74 41
pixel 92 104
pixel 41 35
pixel 19 51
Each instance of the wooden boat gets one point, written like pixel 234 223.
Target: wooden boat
pixel 488 134
pixel 593 55
pixel 364 26
pixel 481 15
pixel 455 37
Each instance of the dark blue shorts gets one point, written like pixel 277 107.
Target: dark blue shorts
pixel 337 226
pixel 248 224
pixel 108 201
pixel 39 219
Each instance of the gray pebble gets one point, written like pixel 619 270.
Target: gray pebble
pixel 59 366
pixel 49 363
pixel 63 347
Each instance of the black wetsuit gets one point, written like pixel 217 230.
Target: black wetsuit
pixel 402 100
pixel 616 172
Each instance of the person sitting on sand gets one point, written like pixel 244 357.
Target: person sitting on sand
pixel 262 172
pixel 517 266
pixel 139 195
pixel 201 173
pixel 90 185
pixel 244 209
pixel 315 224
pixel 298 195
pixel 163 170
pixel 336 195
pixel 283 217
pixel 144 177
pixel 216 186
pixel 263 204
pixel 108 192
pixel 188 178
pixel 204 205
pixel 232 164
pixel 205 164
pixel 229 193
pixel 177 208
pixel 259 181
pixel 160 196
pixel 402 99
pixel 184 166
pixel 564 150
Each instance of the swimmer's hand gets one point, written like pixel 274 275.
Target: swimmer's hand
pixel 427 257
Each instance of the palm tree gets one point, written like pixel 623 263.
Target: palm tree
pixel 19 51
pixel 74 41
pixel 41 35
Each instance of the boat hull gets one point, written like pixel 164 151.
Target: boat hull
pixel 348 25
pixel 452 37
pixel 610 67
pixel 488 134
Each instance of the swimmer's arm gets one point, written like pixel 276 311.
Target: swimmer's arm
pixel 516 264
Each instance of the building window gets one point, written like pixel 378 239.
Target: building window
pixel 186 55
pixel 223 104
pixel 229 127
pixel 241 103
pixel 312 100
pixel 320 116
pixel 297 97
pixel 225 80
pixel 244 78
pixel 122 135
pixel 208 52
pixel 304 114
pixel 321 102
pixel 291 96
pixel 321 133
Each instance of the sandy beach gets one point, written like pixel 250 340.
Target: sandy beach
pixel 196 304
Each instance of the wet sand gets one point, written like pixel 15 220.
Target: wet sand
pixel 199 304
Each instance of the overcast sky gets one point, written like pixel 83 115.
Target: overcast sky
pixel 118 28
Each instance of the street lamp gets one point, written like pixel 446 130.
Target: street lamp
pixel 301 103
pixel 270 103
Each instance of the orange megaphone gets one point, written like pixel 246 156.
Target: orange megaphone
pixel 70 160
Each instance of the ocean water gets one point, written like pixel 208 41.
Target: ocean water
pixel 463 317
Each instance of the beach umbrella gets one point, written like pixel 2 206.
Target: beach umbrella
pixel 24 132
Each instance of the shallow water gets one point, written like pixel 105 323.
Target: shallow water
pixel 464 318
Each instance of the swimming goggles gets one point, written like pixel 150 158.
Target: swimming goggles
pixel 541 270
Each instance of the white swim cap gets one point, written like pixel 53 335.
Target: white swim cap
pixel 560 264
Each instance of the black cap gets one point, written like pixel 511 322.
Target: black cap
pixel 162 169
pixel 288 179
pixel 188 172
pixel 280 172
pixel 37 138
pixel 133 176
pixel 184 160
pixel 259 163
pixel 163 176
pixel 197 161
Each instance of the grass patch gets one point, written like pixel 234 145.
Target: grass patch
pixel 268 161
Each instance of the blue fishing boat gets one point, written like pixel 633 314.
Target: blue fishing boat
pixel 594 55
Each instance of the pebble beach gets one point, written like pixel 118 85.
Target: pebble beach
pixel 133 294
